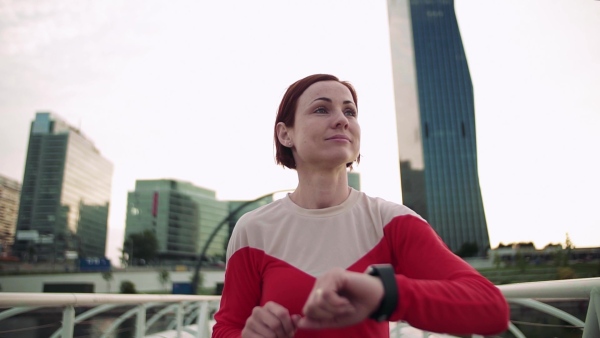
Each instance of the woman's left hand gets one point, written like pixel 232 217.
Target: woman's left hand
pixel 341 298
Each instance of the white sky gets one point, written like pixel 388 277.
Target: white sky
pixel 189 90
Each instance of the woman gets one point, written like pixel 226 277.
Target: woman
pixel 296 267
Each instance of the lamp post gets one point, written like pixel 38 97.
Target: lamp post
pixel 196 277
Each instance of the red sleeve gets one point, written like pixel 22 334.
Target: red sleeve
pixel 241 293
pixel 438 291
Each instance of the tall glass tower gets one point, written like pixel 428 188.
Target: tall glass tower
pixel 65 194
pixel 436 121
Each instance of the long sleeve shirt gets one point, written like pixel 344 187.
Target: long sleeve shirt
pixel 276 252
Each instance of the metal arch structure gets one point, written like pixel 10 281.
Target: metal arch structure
pixel 196 277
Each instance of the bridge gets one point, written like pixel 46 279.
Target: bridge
pixel 191 316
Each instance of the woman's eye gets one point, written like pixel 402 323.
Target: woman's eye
pixel 320 110
pixel 350 112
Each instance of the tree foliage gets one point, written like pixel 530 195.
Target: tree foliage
pixel 141 246
pixel 497 261
pixel 108 277
pixel 521 261
pixel 164 277
pixel 468 249
pixel 127 287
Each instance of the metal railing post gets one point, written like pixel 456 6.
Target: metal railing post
pixel 179 319
pixel 68 321
pixel 592 318
pixel 140 321
pixel 202 323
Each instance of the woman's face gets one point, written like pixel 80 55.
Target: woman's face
pixel 326 132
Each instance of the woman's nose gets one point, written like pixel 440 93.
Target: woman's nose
pixel 341 120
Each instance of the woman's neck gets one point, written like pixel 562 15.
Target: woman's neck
pixel 321 190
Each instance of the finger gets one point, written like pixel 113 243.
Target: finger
pixel 316 324
pixel 326 305
pixel 310 324
pixel 255 324
pixel 263 323
pixel 280 320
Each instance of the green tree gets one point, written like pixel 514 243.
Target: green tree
pixel 164 278
pixel 141 246
pixel 127 287
pixel 124 257
pixel 468 249
pixel 568 248
pixel 565 272
pixel 559 257
pixel 497 261
pixel 108 277
pixel 526 245
pixel 521 261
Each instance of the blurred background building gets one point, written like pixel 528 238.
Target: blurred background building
pixel 65 195
pixel 436 121
pixel 354 180
pixel 10 191
pixel 181 215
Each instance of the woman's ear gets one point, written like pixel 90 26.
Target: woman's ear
pixel 283 135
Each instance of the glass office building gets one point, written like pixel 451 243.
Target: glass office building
pixel 436 120
pixel 10 191
pixel 64 196
pixel 181 215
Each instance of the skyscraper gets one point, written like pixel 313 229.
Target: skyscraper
pixel 436 120
pixel 65 194
pixel 10 190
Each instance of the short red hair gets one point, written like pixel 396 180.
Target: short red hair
pixel 287 113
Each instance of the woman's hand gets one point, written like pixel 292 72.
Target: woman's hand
pixel 341 298
pixel 270 320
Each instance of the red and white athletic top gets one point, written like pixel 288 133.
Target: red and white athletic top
pixel 276 252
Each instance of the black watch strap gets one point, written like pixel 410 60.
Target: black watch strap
pixel 386 273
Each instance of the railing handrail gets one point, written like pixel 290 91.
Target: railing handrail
pixel 521 293
pixel 12 299
pixel 554 289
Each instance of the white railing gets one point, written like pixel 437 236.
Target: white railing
pixel 196 309
pixel 187 309
pixel 531 294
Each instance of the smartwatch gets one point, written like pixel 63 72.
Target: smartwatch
pixel 385 272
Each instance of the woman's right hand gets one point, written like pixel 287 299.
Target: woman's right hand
pixel 270 321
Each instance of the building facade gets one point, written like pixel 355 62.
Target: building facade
pixel 354 180
pixel 181 215
pixel 65 195
pixel 436 121
pixel 10 191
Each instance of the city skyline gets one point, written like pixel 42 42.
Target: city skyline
pixel 189 92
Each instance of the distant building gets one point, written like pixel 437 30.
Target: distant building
pixel 10 191
pixel 354 180
pixel 65 195
pixel 181 215
pixel 436 121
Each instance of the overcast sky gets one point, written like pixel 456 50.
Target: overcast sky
pixel 188 90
